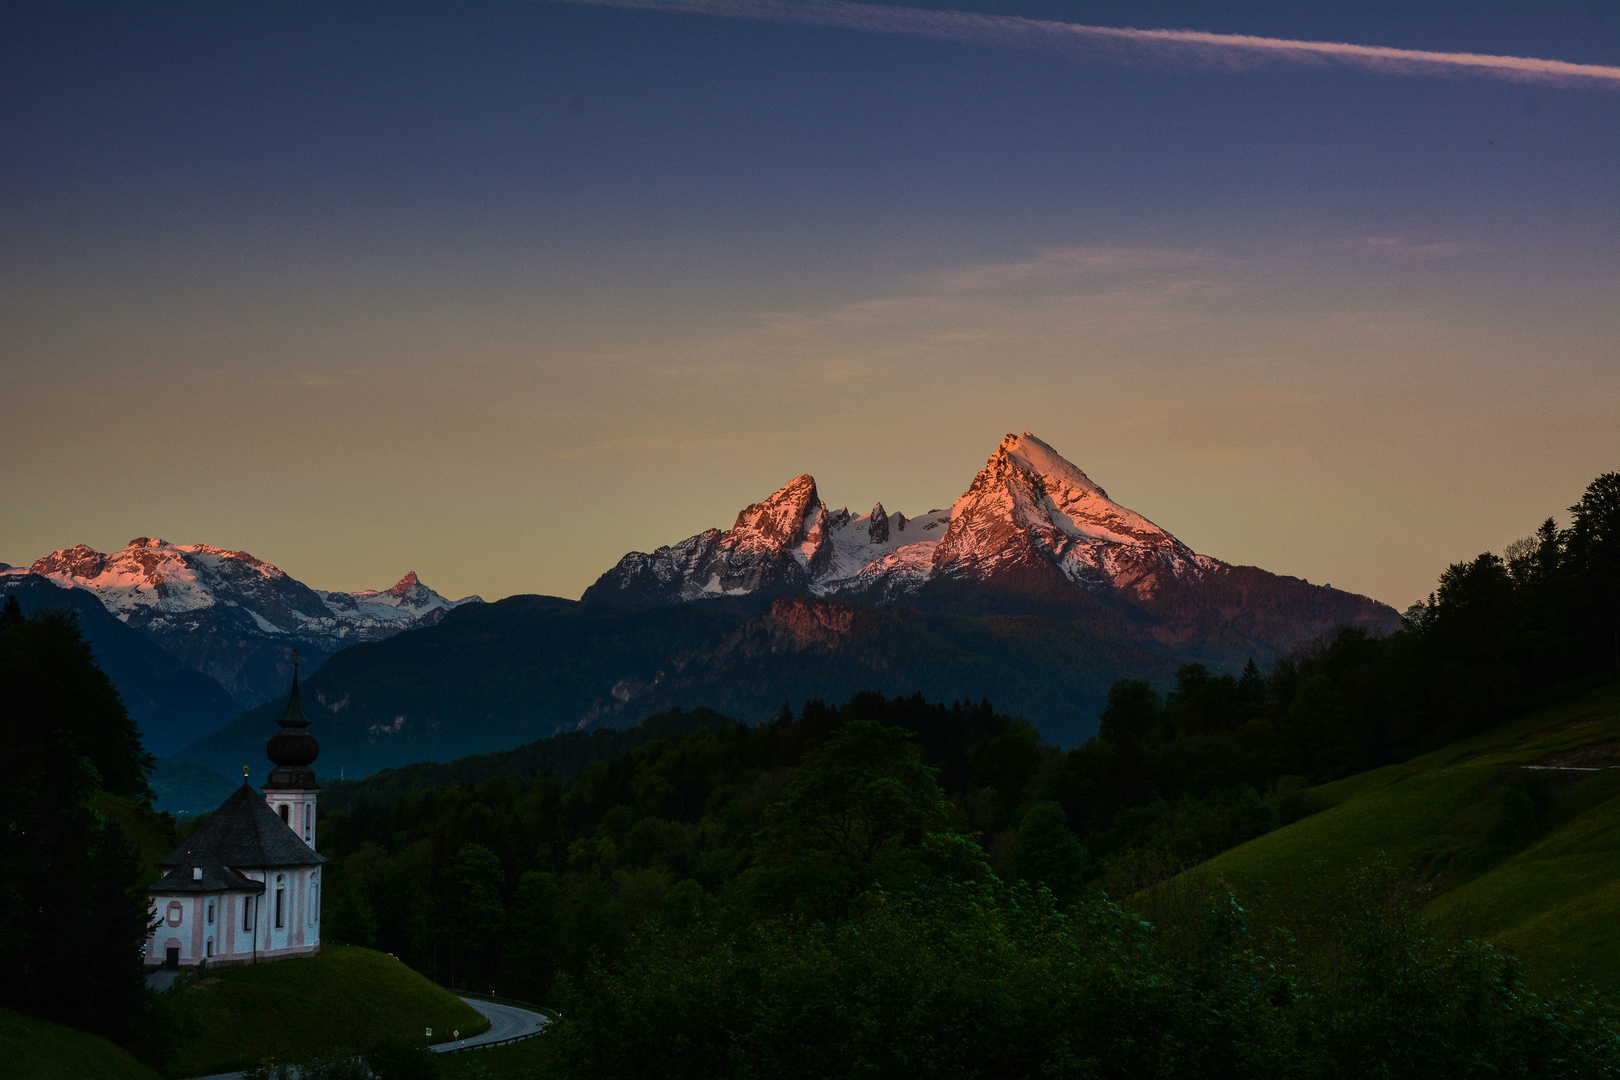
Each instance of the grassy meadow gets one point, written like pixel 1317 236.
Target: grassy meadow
pixel 1528 858
pixel 345 998
pixel 41 1050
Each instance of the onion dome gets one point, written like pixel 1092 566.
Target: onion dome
pixel 292 750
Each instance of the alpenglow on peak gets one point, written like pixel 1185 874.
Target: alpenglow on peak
pixel 1029 511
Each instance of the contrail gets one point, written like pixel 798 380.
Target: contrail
pixel 1126 46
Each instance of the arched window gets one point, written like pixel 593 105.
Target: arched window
pixel 247 913
pixel 281 900
pixel 314 901
pixel 176 912
pixel 307 816
pixel 210 913
pixel 286 814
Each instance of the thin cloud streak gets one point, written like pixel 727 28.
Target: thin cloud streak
pixel 1124 45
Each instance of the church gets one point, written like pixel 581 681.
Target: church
pixel 246 886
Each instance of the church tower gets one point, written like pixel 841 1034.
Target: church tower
pixel 291 789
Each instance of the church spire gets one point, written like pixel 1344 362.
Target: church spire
pixel 292 750
pixel 291 789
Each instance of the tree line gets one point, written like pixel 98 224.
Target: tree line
pixel 72 906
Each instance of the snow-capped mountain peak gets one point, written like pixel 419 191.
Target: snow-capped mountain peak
pixel 1028 502
pixel 153 577
pixel 408 599
pixel 1028 506
pixel 195 597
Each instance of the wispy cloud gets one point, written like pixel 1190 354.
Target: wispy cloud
pixel 1124 45
pixel 1403 248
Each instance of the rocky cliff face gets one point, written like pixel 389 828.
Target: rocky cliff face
pixel 234 617
pixel 778 547
pixel 1032 534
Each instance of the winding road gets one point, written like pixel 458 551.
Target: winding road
pixel 505 1022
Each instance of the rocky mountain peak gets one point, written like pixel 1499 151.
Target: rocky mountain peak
pixel 1029 489
pixel 1028 510
pixel 405 584
pixel 782 521
pixel 81 561
pixel 878 529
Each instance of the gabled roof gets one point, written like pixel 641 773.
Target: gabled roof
pixel 243 832
pixel 214 879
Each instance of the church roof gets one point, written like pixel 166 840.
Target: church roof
pixel 243 832
pixel 214 878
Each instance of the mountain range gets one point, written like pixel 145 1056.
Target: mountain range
pixel 1030 524
pixel 1032 535
pixel 192 635
pixel 1035 588
pixel 234 617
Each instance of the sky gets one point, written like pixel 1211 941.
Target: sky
pixel 497 293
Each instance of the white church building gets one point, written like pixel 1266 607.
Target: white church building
pixel 246 886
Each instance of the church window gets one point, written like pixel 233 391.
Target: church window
pixel 314 902
pixel 176 913
pixel 247 913
pixel 210 948
pixel 286 814
pixel 306 824
pixel 281 895
pixel 210 913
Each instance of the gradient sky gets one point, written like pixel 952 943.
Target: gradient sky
pixel 498 293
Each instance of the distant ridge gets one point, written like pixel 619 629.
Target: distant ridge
pixel 232 616
pixel 170 703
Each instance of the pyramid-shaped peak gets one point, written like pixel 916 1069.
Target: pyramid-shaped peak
pixel 405 584
pixel 1035 455
pixel 795 489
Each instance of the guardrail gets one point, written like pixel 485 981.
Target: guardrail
pixel 546 1011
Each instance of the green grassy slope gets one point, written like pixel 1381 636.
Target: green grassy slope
pixel 345 998
pixel 35 1050
pixel 1527 858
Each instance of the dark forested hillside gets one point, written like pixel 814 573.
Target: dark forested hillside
pixel 1054 675
pixel 488 677
pixel 561 757
pixel 72 911
pixel 171 703
pixel 860 876
pixel 495 676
